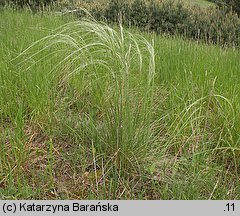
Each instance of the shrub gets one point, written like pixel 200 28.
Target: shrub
pixel 28 3
pixel 232 4
pixel 212 25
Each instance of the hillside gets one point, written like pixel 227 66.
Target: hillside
pixel 202 3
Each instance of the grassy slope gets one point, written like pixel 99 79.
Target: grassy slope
pixel 46 124
pixel 202 3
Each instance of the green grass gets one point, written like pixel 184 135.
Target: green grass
pixel 89 112
pixel 202 3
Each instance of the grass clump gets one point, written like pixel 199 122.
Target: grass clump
pixel 103 67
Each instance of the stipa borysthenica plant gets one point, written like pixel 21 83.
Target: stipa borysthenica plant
pixel 104 82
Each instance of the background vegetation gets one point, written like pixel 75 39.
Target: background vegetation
pixel 230 4
pixel 212 25
pixel 27 3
